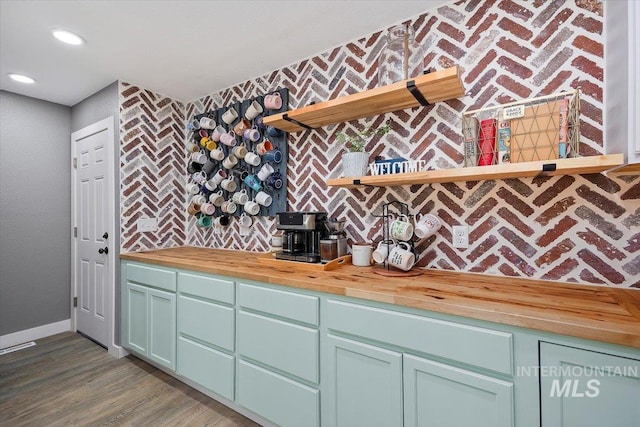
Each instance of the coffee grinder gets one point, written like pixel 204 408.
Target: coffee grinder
pixel 335 227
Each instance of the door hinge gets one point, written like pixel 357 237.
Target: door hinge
pixel 75 163
pixel 75 301
pixel 75 231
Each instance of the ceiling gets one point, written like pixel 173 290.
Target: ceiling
pixel 182 49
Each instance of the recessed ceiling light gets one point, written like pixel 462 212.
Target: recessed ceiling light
pixel 67 37
pixel 21 78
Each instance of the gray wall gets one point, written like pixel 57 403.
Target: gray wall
pixel 95 108
pixel 35 212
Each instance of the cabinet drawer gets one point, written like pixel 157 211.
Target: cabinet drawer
pixel 291 348
pixel 206 287
pixel 278 399
pixel 209 368
pixel 289 305
pixel 476 346
pixel 152 276
pixel 212 323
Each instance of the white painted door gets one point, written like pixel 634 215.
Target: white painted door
pixel 93 242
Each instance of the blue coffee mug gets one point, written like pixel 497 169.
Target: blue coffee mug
pixel 272 131
pixel 253 182
pixel 275 181
pixel 274 155
pixel 259 122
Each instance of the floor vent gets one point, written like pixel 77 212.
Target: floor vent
pixel 17 347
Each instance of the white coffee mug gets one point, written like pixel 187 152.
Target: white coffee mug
pixel 216 198
pixel 208 208
pixel 192 147
pixel 199 199
pixel 382 251
pixel 229 207
pixel 252 158
pixel 217 133
pixel 245 220
pixel 240 197
pixel 264 199
pixel 211 185
pixel 218 177
pixel 265 172
pixel 239 151
pixel 254 109
pixel 230 115
pixel 230 162
pixel 217 154
pixel 401 257
pixel 361 254
pixel 401 228
pixel 251 207
pixel 207 123
pixel 229 139
pixel 199 177
pixel 276 240
pixel 229 184
pixel 427 226
pixel 193 188
pixel 199 157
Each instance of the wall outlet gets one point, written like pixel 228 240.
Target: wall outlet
pixel 147 224
pixel 460 236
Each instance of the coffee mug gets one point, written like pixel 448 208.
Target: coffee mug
pixel 245 220
pixel 217 198
pixel 361 254
pixel 252 134
pixel 218 131
pixel 240 151
pixel 217 154
pixel 199 157
pixel 263 199
pixel 275 181
pixel 401 257
pixel 191 147
pixel 203 141
pixel 259 123
pixel 240 197
pixel 273 101
pixel 219 176
pixel 265 172
pixel 427 226
pixel 263 147
pixel 401 229
pixel 252 158
pixel 230 162
pixel 276 240
pixel 253 182
pixel 207 123
pixel 240 173
pixel 193 208
pixel 211 145
pixel 194 167
pixel 204 221
pixel 194 125
pixel 221 221
pixel 208 208
pixel 253 110
pixel 203 133
pixel 229 139
pixel 230 115
pixel 199 199
pixel 199 177
pixel 241 126
pixel 209 167
pixel 274 156
pixel 273 131
pixel 251 207
pixel 193 188
pixel 228 207
pixel 229 184
pixel 382 251
pixel 211 185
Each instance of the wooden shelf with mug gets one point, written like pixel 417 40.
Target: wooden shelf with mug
pixel 570 166
pixel 437 86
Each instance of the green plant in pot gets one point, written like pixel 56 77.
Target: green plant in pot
pixel 355 161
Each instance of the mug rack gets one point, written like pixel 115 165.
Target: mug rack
pixel 277 137
pixel 385 268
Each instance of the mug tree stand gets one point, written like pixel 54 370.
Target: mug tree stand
pixel 385 269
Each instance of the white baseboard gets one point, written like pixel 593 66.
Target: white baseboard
pixel 36 333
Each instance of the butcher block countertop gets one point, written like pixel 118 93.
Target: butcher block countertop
pixel 593 312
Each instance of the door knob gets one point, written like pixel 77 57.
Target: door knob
pixel 103 251
pixel 105 235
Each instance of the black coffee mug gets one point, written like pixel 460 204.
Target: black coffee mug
pixel 194 167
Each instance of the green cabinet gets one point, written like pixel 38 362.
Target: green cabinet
pixel 436 394
pixel 581 388
pixel 364 385
pixel 150 325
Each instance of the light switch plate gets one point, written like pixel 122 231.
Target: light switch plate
pixel 147 224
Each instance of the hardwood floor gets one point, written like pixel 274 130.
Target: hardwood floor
pixel 69 380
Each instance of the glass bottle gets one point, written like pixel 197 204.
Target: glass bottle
pixel 402 58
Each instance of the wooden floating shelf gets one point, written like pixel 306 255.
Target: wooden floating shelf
pixel 434 87
pixel 571 166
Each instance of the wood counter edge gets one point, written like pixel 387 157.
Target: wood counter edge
pixel 626 334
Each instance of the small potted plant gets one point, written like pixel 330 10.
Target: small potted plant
pixel 355 161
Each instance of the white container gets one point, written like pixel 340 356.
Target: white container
pixel 355 164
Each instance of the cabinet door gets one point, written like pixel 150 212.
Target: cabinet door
pixel 137 314
pixel 364 385
pixel 162 328
pixel 581 388
pixel 440 395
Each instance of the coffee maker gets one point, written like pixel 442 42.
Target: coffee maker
pixel 302 232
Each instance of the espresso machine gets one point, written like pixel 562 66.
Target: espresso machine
pixel 302 232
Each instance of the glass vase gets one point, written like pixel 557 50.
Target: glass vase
pixel 402 58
